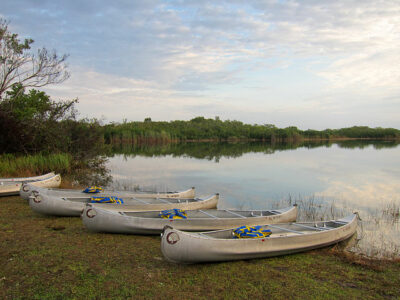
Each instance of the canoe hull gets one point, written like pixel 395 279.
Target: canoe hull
pixel 184 247
pixel 27 189
pixel 10 189
pixel 99 220
pixel 28 179
pixel 13 188
pixel 56 206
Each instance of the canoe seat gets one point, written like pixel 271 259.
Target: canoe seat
pixel 139 200
pixel 327 227
pixel 257 213
pixel 339 222
pixel 311 227
pixel 206 213
pixel 164 200
pixel 285 229
pixel 235 214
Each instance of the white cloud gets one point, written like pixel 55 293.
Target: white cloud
pixel 119 97
pixel 205 53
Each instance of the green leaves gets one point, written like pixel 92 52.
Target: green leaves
pixel 32 122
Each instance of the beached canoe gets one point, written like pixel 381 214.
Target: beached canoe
pixel 27 189
pixel 186 247
pixel 150 222
pixel 73 206
pixel 27 179
pixel 8 188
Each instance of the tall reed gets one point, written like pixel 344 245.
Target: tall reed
pixel 12 165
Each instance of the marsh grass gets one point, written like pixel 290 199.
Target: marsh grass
pixel 392 211
pixel 56 258
pixel 127 184
pixel 314 208
pixel 28 165
pixel 378 234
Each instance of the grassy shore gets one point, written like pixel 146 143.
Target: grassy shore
pixel 37 164
pixel 56 258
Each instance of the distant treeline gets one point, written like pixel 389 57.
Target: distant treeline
pixel 202 129
pixel 32 123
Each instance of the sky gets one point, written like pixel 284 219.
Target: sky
pixel 311 64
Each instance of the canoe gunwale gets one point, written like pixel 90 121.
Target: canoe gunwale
pixel 28 179
pixel 14 187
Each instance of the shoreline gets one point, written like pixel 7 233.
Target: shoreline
pixel 339 249
pixel 48 257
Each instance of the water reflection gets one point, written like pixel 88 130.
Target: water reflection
pixel 216 151
pixel 327 180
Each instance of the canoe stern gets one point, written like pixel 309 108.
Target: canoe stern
pixel 39 186
pixel 54 206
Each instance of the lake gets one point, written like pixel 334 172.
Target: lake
pixel 326 180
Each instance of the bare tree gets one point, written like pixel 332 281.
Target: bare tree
pixel 19 65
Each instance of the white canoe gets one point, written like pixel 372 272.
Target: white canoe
pixel 149 222
pixel 27 179
pixel 13 188
pixel 186 247
pixel 73 207
pixel 27 189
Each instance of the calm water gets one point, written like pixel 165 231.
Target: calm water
pixel 326 180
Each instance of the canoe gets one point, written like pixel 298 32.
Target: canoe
pixel 12 188
pixel 73 206
pixel 27 189
pixel 27 179
pixel 150 222
pixel 186 247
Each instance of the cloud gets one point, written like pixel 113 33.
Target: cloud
pixel 117 97
pixel 158 40
pixel 212 50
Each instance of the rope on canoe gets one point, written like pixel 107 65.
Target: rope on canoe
pixel 111 199
pixel 173 214
pixel 93 189
pixel 251 232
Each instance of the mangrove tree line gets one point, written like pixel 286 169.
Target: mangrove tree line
pixel 201 128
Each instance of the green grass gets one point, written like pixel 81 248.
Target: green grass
pixel 12 165
pixel 56 258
